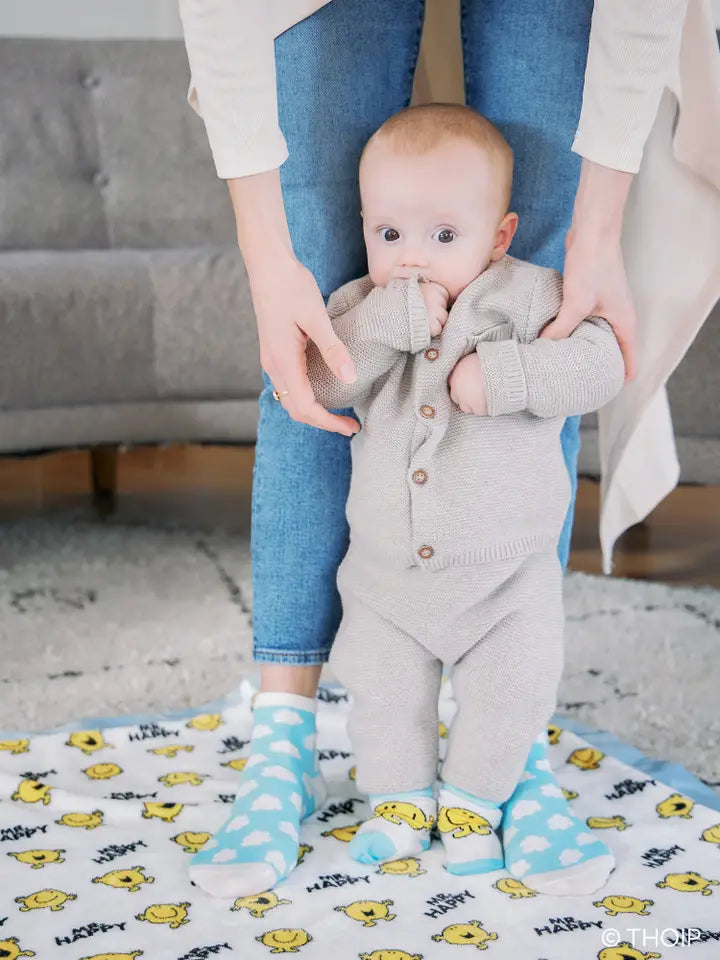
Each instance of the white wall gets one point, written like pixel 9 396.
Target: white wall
pixel 90 18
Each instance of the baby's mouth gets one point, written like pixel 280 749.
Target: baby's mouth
pixel 406 275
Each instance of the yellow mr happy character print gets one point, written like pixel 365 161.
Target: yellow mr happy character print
pixel 99 825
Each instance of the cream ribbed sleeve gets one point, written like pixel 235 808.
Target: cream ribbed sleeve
pixel 554 378
pixel 231 51
pixel 634 46
pixel 377 330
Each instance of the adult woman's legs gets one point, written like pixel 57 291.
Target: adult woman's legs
pixel 524 69
pixel 340 73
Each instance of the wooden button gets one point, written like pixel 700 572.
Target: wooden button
pixel 427 411
pixel 419 476
pixel 432 354
pixel 426 552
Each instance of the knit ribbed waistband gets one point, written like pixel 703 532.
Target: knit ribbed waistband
pixel 488 553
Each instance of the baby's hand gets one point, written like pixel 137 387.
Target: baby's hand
pixel 436 300
pixel 467 385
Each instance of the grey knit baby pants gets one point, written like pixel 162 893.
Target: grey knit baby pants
pixel 499 624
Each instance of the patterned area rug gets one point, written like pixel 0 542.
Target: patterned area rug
pixel 105 619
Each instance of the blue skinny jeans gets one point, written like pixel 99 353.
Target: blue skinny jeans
pixel 340 73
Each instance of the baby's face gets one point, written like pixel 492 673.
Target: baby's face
pixel 438 214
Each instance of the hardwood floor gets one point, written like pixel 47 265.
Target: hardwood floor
pixel 208 486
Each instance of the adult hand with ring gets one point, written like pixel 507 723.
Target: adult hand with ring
pixel 290 311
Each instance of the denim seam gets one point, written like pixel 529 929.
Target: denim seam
pixel 414 58
pixel 306 657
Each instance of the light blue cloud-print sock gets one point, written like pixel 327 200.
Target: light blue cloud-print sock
pixel 400 826
pixel 281 784
pixel 545 844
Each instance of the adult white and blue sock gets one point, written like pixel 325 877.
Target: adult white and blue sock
pixel 400 827
pixel 545 844
pixel 467 827
pixel 281 784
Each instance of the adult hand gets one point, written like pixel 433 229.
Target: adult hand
pixel 290 310
pixel 595 284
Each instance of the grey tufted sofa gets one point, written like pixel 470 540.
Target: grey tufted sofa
pixel 125 313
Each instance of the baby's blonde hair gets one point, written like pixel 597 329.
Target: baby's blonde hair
pixel 420 128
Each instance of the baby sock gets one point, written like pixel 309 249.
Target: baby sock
pixel 546 845
pixel 400 827
pixel 467 826
pixel 258 844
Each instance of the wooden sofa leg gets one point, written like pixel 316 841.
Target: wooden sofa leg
pixel 103 468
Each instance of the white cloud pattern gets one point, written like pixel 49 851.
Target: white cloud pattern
pixel 266 802
pixel 261 730
pixel 288 717
pixel 284 746
pixel 223 855
pixel 584 839
pixel 245 788
pixel 237 823
pixel 255 759
pixel 525 808
pixel 559 822
pixel 570 856
pixel 551 790
pixel 289 828
pixel 255 838
pixel 279 773
pixel 534 844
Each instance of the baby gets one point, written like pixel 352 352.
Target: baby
pixel 459 488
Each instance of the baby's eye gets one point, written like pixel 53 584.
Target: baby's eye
pixel 386 230
pixel 445 231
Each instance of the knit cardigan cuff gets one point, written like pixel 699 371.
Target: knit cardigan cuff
pixel 419 321
pixel 505 383
pixel 396 316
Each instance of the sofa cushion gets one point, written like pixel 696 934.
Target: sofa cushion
pixel 103 326
pixel 98 148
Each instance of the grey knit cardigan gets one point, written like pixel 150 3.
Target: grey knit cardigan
pixel 432 486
